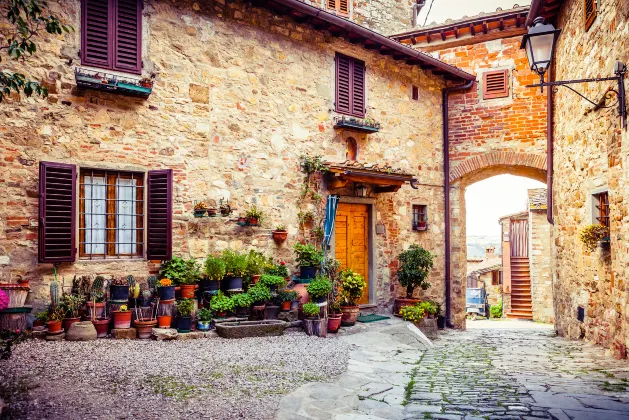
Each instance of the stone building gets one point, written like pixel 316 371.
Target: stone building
pixel 486 273
pixel 240 93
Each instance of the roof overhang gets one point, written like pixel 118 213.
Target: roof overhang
pixel 383 179
pixel 548 9
pixel 357 34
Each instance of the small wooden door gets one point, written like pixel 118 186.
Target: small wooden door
pixel 352 241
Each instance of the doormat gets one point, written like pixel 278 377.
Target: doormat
pixel 371 318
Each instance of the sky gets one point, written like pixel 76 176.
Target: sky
pixel 456 9
pixel 488 200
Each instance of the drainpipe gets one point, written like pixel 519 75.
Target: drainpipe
pixel 446 170
pixel 549 152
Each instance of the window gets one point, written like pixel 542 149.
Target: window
pixel 420 217
pixel 496 278
pixel 351 150
pixel 589 12
pixel 350 86
pixel 415 94
pixel 601 205
pixel 111 34
pixel 112 215
pixel 339 6
pixel 496 84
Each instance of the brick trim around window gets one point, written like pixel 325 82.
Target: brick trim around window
pixel 496 84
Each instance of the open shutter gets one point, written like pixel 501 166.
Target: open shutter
pixel 343 7
pixel 160 215
pixel 57 212
pixel 96 33
pixel 343 84
pixel 358 88
pixel 128 35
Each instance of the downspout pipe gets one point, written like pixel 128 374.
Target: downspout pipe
pixel 446 190
pixel 549 152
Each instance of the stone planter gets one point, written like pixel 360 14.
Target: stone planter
pixel 429 327
pixel 244 329
pixel 402 302
pixel 316 326
pixel 350 314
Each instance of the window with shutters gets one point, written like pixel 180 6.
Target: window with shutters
pixel 111 34
pixel 496 84
pixel 339 6
pixel 589 12
pixel 350 86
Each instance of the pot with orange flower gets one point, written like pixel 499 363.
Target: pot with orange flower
pixel 166 290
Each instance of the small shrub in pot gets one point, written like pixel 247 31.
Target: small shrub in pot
pixel 272 282
pixel 221 304
pixel 242 304
pixel 311 310
pixel 319 289
pixel 259 294
pixel 184 314
pixel 204 319
pixel 309 258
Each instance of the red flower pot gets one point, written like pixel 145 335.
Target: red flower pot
pixel 164 321
pixel 334 322
pixel 279 236
pixel 255 278
pixel 350 315
pixel 102 327
pixel 253 221
pixel 286 306
pixel 187 291
pixel 53 326
pixel 67 322
pixel 122 320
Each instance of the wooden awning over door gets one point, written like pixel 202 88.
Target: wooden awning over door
pixel 384 178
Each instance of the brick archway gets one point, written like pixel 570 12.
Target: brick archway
pixel 472 169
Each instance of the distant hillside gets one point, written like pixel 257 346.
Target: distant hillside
pixel 476 245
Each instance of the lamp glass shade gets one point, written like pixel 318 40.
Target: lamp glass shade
pixel 539 50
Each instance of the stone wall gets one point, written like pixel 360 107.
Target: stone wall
pixel 539 261
pixel 239 96
pixel 591 152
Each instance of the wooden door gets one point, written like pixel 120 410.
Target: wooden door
pixel 352 241
pixel 519 237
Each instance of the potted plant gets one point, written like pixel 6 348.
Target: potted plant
pixel 413 313
pixel 312 324
pixel 242 304
pixel 101 324
pixel 144 326
pixel 352 285
pixel 441 320
pixel 272 282
pixel 166 290
pixel 200 209
pixel 40 319
pixel 273 307
pixel 122 317
pixel 119 289
pixel 146 83
pixel 309 258
pixel 204 319
pixel 225 208
pixel 242 221
pixel 163 321
pixel 176 269
pixel 212 212
pixel 189 280
pixel 259 294
pixel 235 268
pixel 184 315
pixel 96 301
pixel 415 266
pixel 55 318
pixel 214 272
pixel 71 305
pixel 256 264
pixel 287 297
pixel 221 304
pixel 277 270
pixel 335 316
pixel 430 309
pixel 592 235
pixel 254 215
pixel 280 234
pixel 319 289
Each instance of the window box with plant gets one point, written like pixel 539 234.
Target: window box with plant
pixel 235 270
pixel 200 209
pixel 415 266
pixel 122 317
pixel 352 285
pixel 204 319
pixel 319 289
pixel 221 305
pixel 184 315
pixel 313 325
pixel 214 272
pixel 309 259
pixel 366 125
pixel 254 216
pixel 593 235
pixel 280 234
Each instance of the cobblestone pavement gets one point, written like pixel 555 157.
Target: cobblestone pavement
pixel 494 370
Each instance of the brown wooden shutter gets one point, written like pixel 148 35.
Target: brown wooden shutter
pixel 589 12
pixel 496 84
pixel 358 88
pixel 96 33
pixel 160 215
pixel 128 30
pixel 343 7
pixel 343 84
pixel 57 212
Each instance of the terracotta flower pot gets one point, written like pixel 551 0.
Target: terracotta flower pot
pixel 187 291
pixel 279 236
pixel 334 322
pixel 350 314
pixel 122 320
pixel 53 326
pixel 37 323
pixel 255 278
pixel 67 322
pixel 145 328
pixel 402 302
pixel 102 327
pixel 164 321
pixel 252 221
pixel 286 306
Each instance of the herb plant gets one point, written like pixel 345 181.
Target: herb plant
pixel 308 255
pixel 214 268
pixel 221 303
pixel 259 293
pixel 277 270
pixel 184 307
pixel 319 288
pixel 311 310
pixel 242 300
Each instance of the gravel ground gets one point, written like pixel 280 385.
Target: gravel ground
pixel 204 378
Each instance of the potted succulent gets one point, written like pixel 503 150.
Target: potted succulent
pixel 309 259
pixel 254 216
pixel 242 304
pixel 319 289
pixel 592 235
pixel 272 282
pixel 122 317
pixel 415 266
pixel 259 294
pixel 204 319
pixel 221 304
pixel 312 324
pixel 119 289
pixel 335 316
pixel 200 209
pixel 352 285
pixel 166 290
pixel 96 303
pixel 55 318
pixel 256 264
pixel 71 305
pixel 280 234
pixel 287 298
pixel 235 268
pixel 214 272
pixel 184 315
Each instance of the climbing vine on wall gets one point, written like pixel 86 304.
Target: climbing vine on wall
pixel 311 203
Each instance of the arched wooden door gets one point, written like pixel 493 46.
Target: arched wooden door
pixel 352 241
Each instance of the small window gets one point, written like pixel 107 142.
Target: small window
pixel 351 150
pixel 589 12
pixel 339 6
pixel 415 93
pixel 496 84
pixel 111 214
pixel 420 217
pixel 496 278
pixel 350 86
pixel 472 282
pixel 601 204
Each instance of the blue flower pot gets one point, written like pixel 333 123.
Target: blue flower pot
pixel 166 292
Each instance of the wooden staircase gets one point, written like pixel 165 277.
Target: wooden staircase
pixel 521 306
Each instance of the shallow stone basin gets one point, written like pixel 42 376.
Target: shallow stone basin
pixel 242 329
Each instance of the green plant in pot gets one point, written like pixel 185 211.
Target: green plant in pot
pixel 430 309
pixel 277 270
pixel 319 289
pixel 215 270
pixel 352 286
pixel 259 294
pixel 257 262
pixel 235 268
pixel 204 319
pixel 189 280
pixel 309 259
pixel 254 215
pixel 242 304
pixel 272 282
pixel 221 304
pixel 413 272
pixel 591 235
pixel 311 310
pixel 175 269
pixel 184 314
pixel 71 305
pixel 312 324
pixel 280 233
pixel 286 298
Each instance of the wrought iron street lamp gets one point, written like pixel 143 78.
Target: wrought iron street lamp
pixel 539 44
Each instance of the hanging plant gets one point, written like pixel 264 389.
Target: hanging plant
pixel 591 235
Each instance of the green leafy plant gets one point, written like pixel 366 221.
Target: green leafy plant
pixel 181 271
pixel 496 310
pixel 319 288
pixel 256 263
pixel 235 263
pixel 185 307
pixel 352 286
pixel 280 228
pixel 311 310
pixel 204 315
pixel 308 255
pixel 277 270
pixel 41 316
pixel 415 266
pixel 288 295
pixel 254 213
pixel 312 164
pixel 306 216
pixel 269 281
pixel 242 300
pixel 259 293
pixel 428 307
pixel 591 235
pixel 413 313
pixel 214 268
pixel 221 303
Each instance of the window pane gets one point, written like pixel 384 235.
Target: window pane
pixel 95 214
pixel 125 216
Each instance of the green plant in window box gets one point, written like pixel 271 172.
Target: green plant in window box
pixel 311 310
pixel 319 288
pixel 591 235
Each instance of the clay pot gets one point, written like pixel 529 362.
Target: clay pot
pixel 350 314
pixel 122 320
pixel 102 327
pixel 334 322
pixel 53 326
pixel 286 306
pixel 187 291
pixel 279 236
pixel 255 278
pixel 67 322
pixel 145 328
pixel 271 312
pixel 164 321
pixel 166 293
pixel 402 302
pixel 252 221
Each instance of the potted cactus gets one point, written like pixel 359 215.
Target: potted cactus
pixel 122 317
pixel 55 314
pixel 71 305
